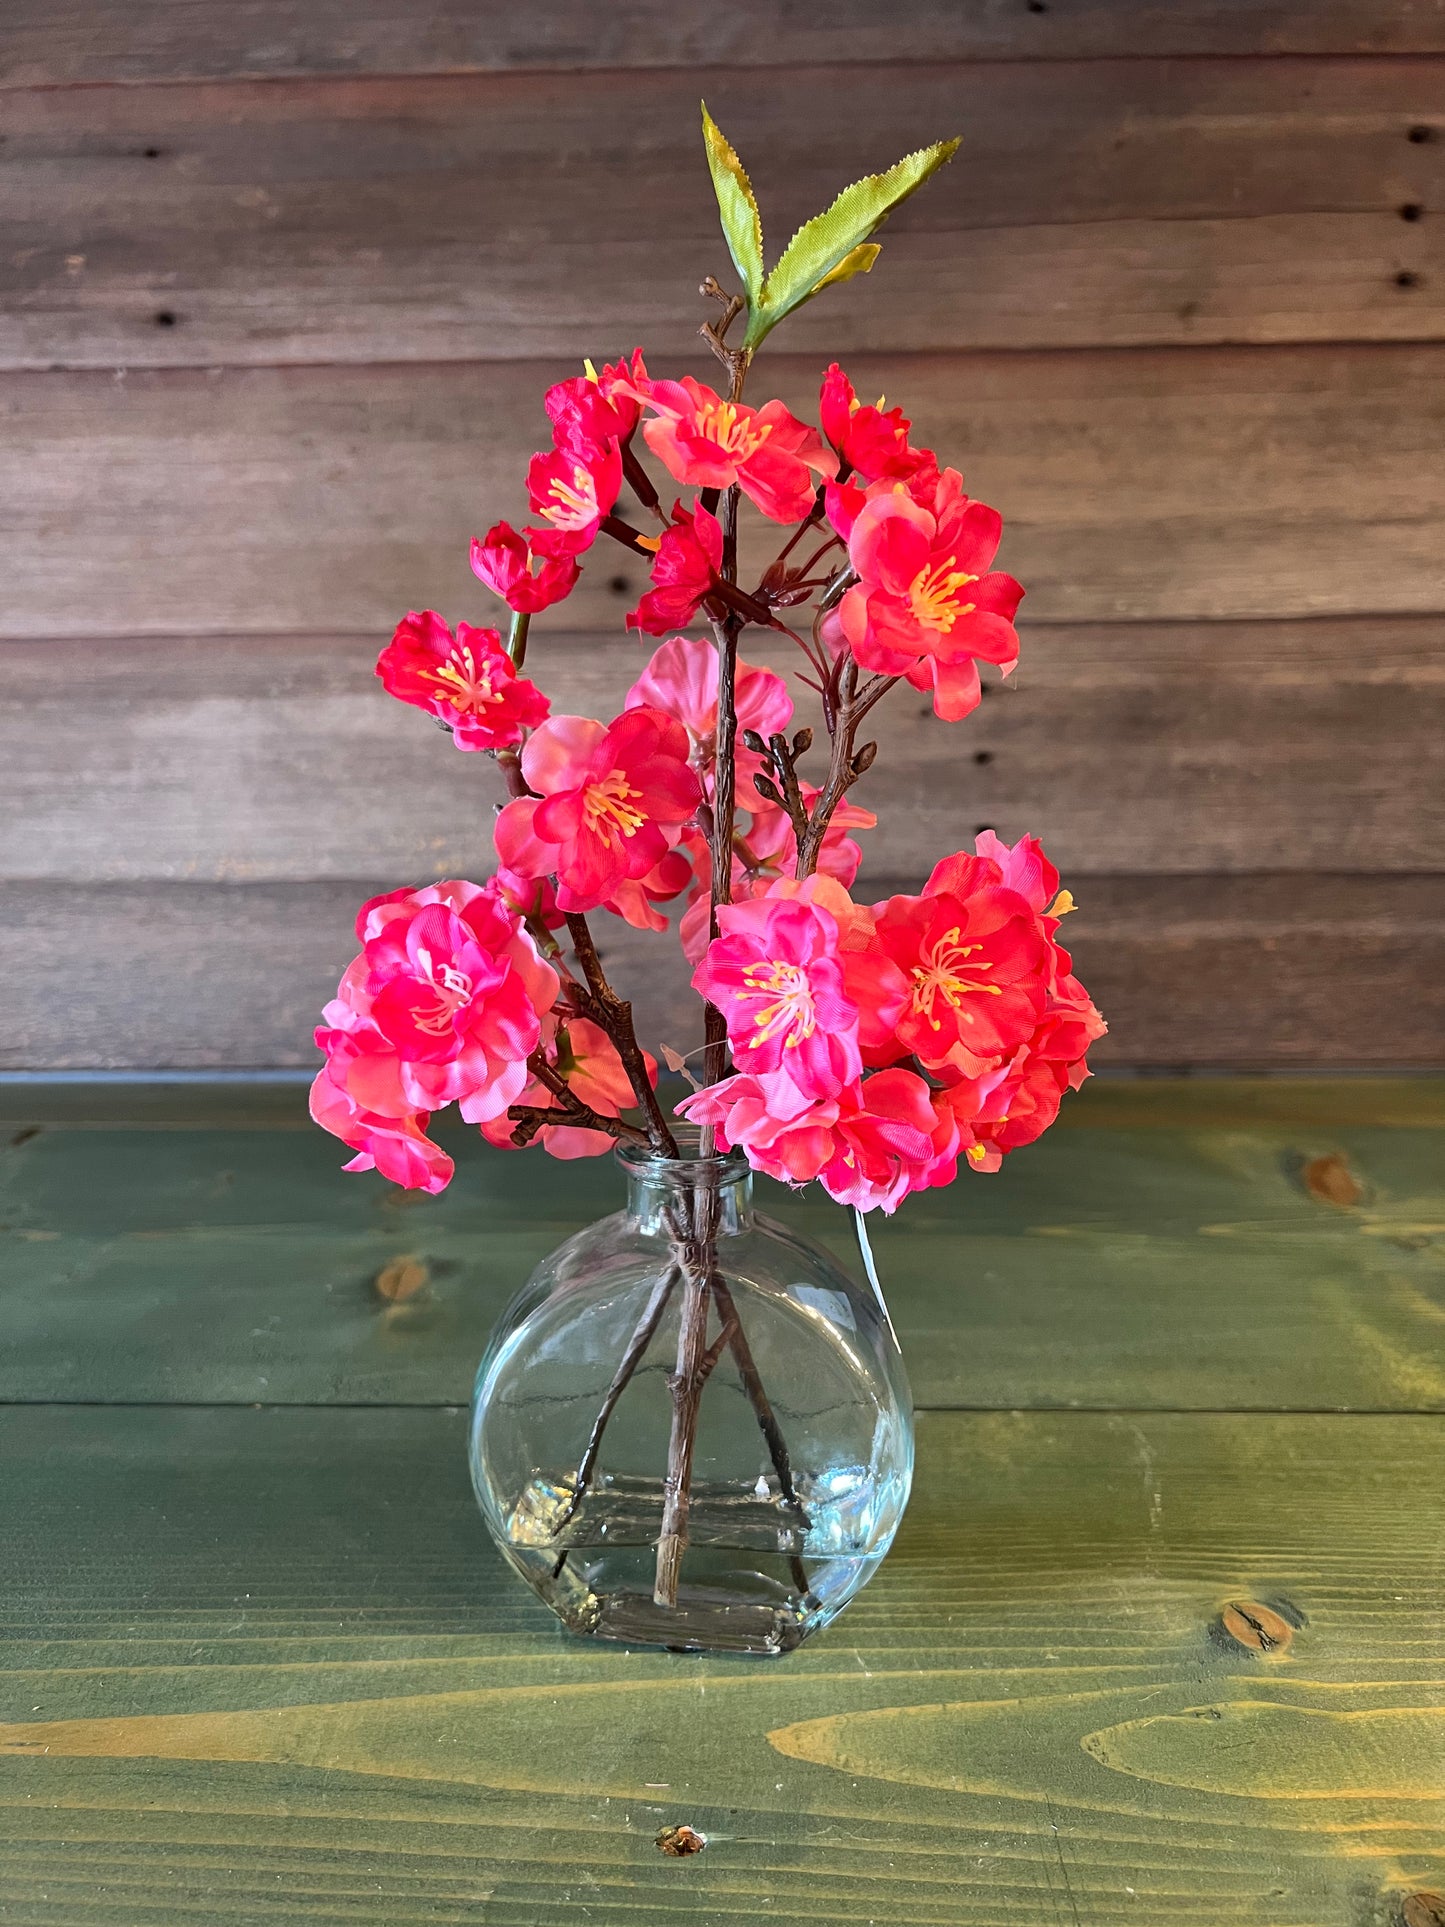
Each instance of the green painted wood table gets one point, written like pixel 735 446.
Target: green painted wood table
pixel 1162 1639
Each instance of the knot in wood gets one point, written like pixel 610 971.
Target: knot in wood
pixel 678 1842
pixel 403 1278
pixel 1331 1180
pixel 1257 1628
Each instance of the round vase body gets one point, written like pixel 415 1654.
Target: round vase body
pixel 801 1451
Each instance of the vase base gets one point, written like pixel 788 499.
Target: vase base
pixel 759 1574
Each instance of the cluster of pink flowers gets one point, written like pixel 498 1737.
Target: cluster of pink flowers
pixel 874 1047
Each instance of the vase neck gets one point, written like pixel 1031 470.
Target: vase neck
pixel 664 1193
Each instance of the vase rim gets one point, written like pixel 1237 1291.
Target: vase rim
pixel 641 1161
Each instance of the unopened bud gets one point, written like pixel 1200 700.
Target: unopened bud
pixel 765 787
pixel 802 742
pixel 864 759
pixel 755 742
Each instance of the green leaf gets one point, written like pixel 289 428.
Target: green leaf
pixel 831 247
pixel 742 224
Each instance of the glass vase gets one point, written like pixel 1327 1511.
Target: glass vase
pixel 692 1427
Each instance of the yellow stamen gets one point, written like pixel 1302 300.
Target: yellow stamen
pixel 737 434
pixel 607 808
pixel 466 683
pixel 977 1153
pixel 939 974
pixel 591 371
pixel 790 1005
pixel 933 595
pixel 1062 904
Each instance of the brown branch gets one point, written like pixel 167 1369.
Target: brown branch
pixel 614 1015
pixel 844 710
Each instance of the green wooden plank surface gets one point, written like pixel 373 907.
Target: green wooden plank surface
pixel 1162 1248
pixel 262 1666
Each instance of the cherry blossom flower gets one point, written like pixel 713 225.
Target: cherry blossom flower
pixel 444 1004
pixel 681 680
pixel 573 486
pixel 774 973
pixel 529 571
pixel 926 605
pixel 607 797
pixel 706 442
pixel 977 959
pixel 868 1146
pixel 398 1147
pixel 585 1055
pixel 598 408
pixel 684 570
pixel 467 680
pixel 868 442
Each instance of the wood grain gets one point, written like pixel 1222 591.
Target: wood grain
pixel 1109 202
pixel 1154 484
pixel 76 41
pixel 1167 1238
pixel 272 1670
pixel 1128 748
pixel 1241 971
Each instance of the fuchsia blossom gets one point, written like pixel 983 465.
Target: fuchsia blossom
pixel 926 605
pixel 775 974
pixel 681 680
pixel 598 408
pixel 573 486
pixel 467 680
pixel 706 442
pixel 607 798
pixel 444 1004
pixel 529 571
pixel 869 443
pixel 684 572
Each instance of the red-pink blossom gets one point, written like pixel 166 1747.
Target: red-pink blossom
pixel 444 1004
pixel 706 442
pixel 529 571
pixel 871 444
pixel 868 1146
pixel 681 680
pixel 468 680
pixel 926 604
pixel 607 798
pixel 977 960
pixel 573 486
pixel 775 974
pixel 684 570
pixel 585 1055
pixel 597 408
pixel 398 1147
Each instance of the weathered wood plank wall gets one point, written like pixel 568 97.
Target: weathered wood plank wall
pixel 278 292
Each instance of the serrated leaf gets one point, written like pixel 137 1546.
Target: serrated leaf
pixel 858 262
pixel 823 249
pixel 737 206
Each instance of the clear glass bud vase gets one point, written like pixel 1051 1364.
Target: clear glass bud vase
pixel 692 1428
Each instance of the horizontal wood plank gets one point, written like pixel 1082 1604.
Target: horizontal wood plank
pixel 271 1669
pixel 1155 484
pixel 75 40
pixel 494 216
pixel 1127 748
pixel 1246 971
pixel 1166 1237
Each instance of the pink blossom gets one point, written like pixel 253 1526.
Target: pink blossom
pixel 868 1146
pixel 585 1055
pixel 598 408
pixel 925 605
pixel 774 973
pixel 529 571
pixel 635 899
pixel 398 1147
pixel 573 486
pixel 607 798
pixel 869 443
pixel 468 680
pixel 684 569
pixel 444 1004
pixel 706 442
pixel 681 680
